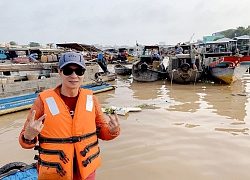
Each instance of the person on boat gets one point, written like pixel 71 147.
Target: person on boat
pixel 179 49
pixel 193 53
pixel 156 56
pixel 101 60
pixel 66 123
pixel 31 56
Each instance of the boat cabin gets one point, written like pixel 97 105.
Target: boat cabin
pixel 243 43
pixel 179 59
pixel 150 54
pixel 219 48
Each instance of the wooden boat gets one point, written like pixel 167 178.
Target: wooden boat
pixel 223 62
pixel 181 71
pixel 149 67
pixel 18 103
pixel 32 54
pixel 228 69
pixel 122 70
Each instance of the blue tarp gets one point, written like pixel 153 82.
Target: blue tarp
pixel 30 174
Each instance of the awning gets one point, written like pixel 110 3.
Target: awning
pixel 79 47
pixel 242 37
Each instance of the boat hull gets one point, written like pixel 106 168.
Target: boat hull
pixel 229 75
pixel 143 72
pixel 145 76
pixel 183 77
pixel 18 103
pixel 122 70
pixel 181 71
pixel 230 69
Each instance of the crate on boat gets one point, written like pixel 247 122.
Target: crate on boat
pixel 32 76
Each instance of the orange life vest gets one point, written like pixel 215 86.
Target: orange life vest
pixel 64 136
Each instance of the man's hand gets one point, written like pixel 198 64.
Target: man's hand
pixel 34 127
pixel 113 124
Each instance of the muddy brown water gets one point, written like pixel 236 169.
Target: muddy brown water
pixel 184 132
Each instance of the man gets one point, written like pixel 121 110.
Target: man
pixel 101 60
pixel 67 123
pixel 156 55
pixel 193 53
pixel 179 49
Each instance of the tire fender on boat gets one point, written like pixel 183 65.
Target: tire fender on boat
pixel 144 66
pixel 185 67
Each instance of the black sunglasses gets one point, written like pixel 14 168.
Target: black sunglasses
pixel 68 71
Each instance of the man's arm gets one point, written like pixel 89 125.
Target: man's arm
pixel 101 122
pixel 39 108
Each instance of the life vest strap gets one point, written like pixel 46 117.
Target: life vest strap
pixel 72 139
pixel 86 149
pixel 57 165
pixel 91 158
pixel 60 153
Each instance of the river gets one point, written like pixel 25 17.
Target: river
pixel 184 132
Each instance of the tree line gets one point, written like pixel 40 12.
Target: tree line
pixel 239 31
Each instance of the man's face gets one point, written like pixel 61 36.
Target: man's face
pixel 72 81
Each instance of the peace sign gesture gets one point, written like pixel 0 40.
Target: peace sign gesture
pixel 34 127
pixel 113 124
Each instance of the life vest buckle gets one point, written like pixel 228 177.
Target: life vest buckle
pixel 85 163
pixel 74 139
pixel 84 152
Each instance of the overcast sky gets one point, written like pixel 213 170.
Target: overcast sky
pixel 118 22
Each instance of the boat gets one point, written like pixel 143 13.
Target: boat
pixel 18 171
pixel 150 66
pixel 32 54
pixel 122 70
pixel 180 69
pixel 20 62
pixel 229 69
pixel 223 62
pixel 23 102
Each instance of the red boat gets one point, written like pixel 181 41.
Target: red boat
pixel 230 68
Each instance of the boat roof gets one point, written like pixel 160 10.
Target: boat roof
pixel 242 37
pixel 225 40
pixel 221 41
pixel 79 47
pixel 32 49
pixel 151 47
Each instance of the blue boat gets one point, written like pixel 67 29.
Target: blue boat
pixel 18 103
pixel 18 171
